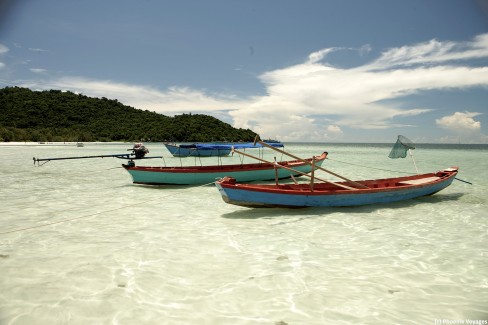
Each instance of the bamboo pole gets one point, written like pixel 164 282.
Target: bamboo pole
pixel 293 179
pixel 128 156
pixel 291 169
pixel 411 156
pixel 307 162
pixel 276 172
pixel 313 173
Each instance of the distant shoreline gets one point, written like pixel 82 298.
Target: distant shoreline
pixel 74 144
pixel 53 144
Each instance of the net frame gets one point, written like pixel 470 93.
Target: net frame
pixel 400 148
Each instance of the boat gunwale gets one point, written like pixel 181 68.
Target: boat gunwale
pixel 222 168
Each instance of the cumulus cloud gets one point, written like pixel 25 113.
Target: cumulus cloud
pixel 460 122
pixel 334 129
pixel 356 97
pixel 315 101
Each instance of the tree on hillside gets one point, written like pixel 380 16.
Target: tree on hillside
pixel 55 115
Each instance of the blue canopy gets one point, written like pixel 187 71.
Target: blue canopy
pixel 257 145
pixel 228 146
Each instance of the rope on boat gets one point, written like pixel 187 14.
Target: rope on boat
pixel 94 214
pixel 389 170
pixel 382 169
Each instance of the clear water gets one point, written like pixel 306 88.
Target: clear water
pixel 105 251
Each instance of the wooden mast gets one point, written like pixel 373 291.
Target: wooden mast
pixel 307 162
pixel 291 169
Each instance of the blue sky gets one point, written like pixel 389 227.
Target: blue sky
pixel 320 71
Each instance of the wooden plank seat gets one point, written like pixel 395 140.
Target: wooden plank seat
pixel 419 181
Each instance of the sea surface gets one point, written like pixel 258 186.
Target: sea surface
pixel 81 244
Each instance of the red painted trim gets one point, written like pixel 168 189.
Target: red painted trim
pixel 223 168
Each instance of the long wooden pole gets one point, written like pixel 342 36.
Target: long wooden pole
pixel 276 173
pixel 313 174
pixel 411 156
pixel 128 156
pixel 290 169
pixel 307 162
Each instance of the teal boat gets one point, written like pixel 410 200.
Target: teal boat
pixel 195 175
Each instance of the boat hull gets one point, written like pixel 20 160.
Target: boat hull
pixel 207 174
pixel 213 149
pixel 324 195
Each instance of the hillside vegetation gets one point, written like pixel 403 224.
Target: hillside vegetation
pixel 55 115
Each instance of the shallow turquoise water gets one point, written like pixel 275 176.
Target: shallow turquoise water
pixel 180 255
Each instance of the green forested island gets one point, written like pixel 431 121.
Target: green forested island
pixel 55 115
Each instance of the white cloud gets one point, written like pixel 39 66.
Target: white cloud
pixel 3 49
pixel 334 130
pixel 37 50
pixel 314 101
pixel 433 52
pixel 38 70
pixel 356 97
pixel 174 100
pixel 460 122
pixel 320 55
pixel 365 49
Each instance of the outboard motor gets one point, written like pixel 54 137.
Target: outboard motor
pixel 139 150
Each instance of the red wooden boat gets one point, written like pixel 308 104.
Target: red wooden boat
pixel 347 193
